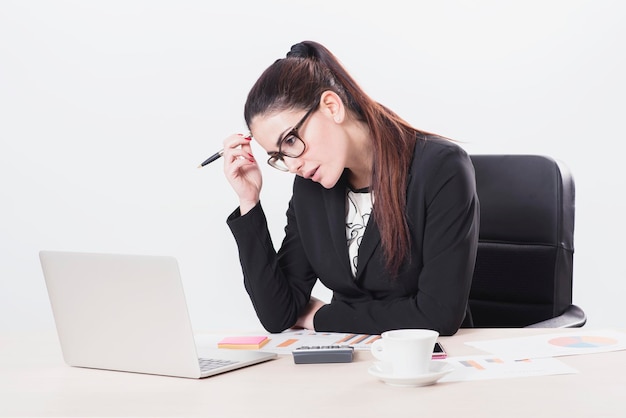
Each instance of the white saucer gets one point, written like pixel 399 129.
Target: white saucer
pixel 438 369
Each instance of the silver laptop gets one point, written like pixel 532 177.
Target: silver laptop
pixel 129 313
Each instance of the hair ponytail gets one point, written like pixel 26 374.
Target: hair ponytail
pixel 302 50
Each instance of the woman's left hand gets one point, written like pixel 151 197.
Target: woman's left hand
pixel 306 319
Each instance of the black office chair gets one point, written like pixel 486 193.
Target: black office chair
pixel 524 266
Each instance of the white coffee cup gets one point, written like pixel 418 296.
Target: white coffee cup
pixel 406 352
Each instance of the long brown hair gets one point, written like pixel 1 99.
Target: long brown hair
pixel 296 81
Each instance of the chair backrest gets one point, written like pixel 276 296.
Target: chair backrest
pixel 524 265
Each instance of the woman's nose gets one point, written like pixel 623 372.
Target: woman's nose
pixel 293 164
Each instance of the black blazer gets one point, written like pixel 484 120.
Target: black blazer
pixel 432 288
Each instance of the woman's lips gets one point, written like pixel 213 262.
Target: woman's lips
pixel 311 174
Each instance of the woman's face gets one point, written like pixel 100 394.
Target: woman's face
pixel 325 156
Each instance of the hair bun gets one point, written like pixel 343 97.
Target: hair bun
pixel 302 50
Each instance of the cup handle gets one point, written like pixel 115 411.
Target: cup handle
pixel 377 349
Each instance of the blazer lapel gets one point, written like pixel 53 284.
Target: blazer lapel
pixel 335 203
pixel 371 239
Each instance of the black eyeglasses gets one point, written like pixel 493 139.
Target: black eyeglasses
pixel 291 145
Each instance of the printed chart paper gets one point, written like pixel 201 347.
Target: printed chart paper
pixel 580 341
pixel 494 367
pixel 287 341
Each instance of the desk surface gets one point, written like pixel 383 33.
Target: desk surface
pixel 34 381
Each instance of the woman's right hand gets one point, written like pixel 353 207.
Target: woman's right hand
pixel 242 171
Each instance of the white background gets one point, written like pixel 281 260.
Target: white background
pixel 107 108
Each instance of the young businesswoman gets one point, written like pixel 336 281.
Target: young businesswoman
pixel 383 214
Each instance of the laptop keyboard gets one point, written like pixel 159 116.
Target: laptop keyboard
pixel 208 364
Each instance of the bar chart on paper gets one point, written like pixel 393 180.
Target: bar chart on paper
pixel 492 367
pixel 288 341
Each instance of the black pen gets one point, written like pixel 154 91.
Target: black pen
pixel 219 154
pixel 212 158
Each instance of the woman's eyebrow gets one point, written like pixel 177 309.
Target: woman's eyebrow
pixel 283 135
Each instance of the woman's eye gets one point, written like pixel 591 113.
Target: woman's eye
pixel 289 141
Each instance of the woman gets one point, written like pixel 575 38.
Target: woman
pixel 383 214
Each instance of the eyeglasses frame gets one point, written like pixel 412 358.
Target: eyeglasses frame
pixel 279 155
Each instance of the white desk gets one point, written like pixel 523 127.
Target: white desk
pixel 34 381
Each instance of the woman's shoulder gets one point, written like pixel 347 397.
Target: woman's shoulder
pixel 438 160
pixel 434 149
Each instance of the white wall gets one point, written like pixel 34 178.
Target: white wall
pixel 107 107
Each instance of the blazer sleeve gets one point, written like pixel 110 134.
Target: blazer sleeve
pixel 443 214
pixel 279 285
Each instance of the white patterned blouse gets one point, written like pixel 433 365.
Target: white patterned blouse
pixel 358 210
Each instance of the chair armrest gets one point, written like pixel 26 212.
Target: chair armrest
pixel 573 317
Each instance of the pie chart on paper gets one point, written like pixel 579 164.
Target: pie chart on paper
pixel 582 341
